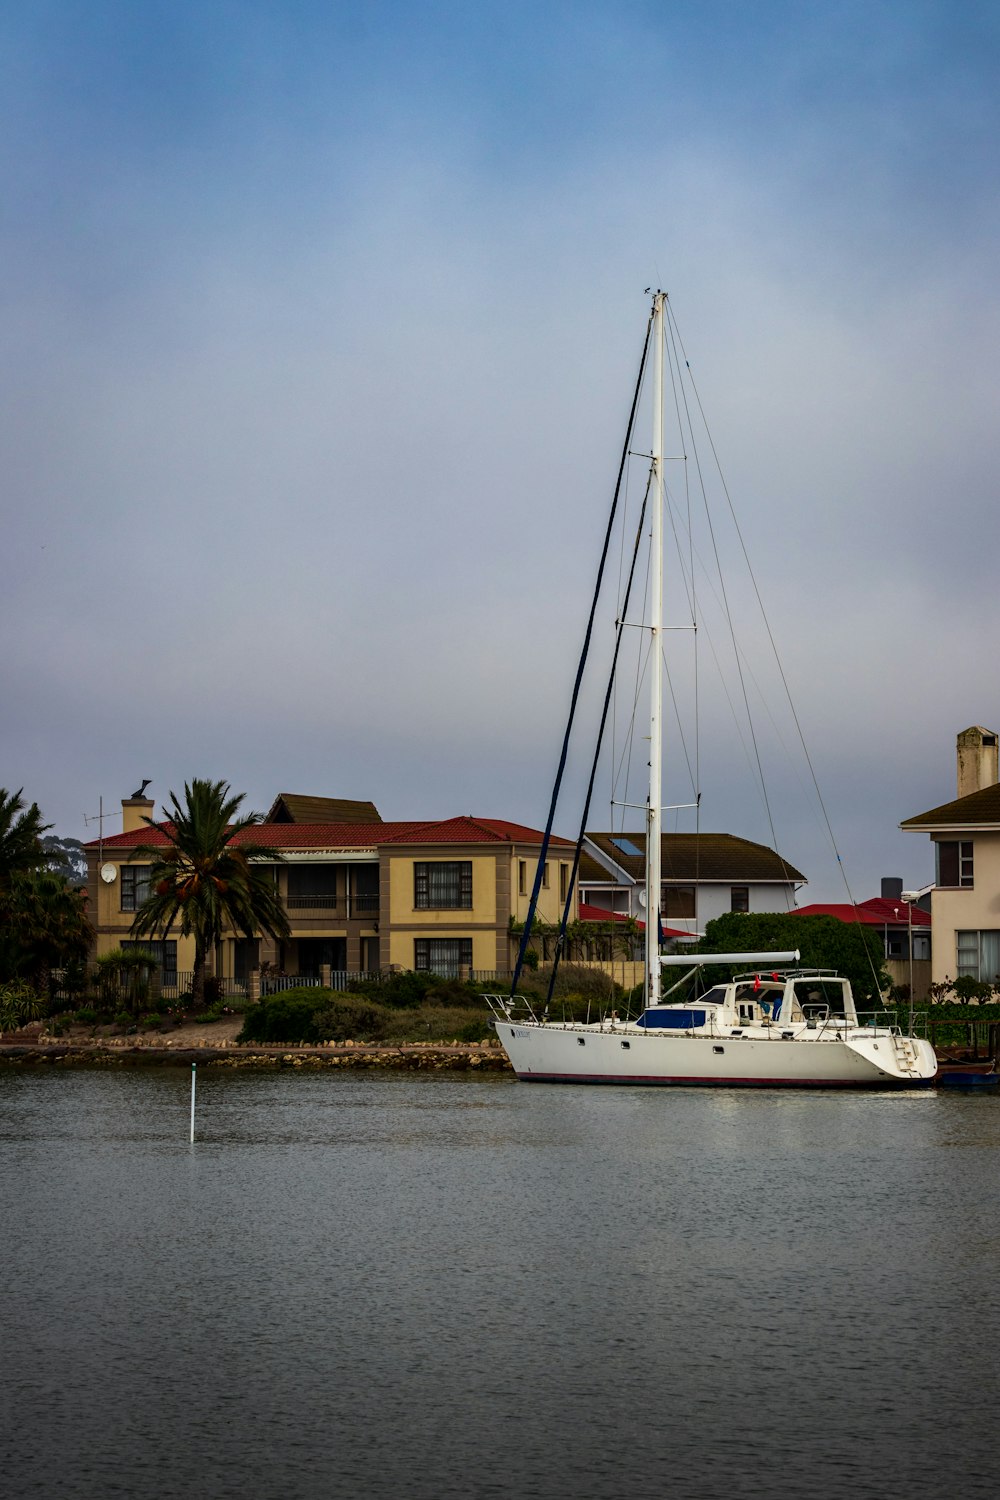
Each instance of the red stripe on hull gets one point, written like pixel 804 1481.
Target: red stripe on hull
pixel 740 1083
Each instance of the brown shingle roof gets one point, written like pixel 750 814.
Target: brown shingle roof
pixel 977 809
pixel 699 856
pixel 289 807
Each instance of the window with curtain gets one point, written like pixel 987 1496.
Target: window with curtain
pixel 978 954
pixel 442 885
pixel 442 956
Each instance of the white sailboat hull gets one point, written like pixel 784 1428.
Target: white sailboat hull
pixel 543 1052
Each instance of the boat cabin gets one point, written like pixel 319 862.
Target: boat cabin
pixel 801 997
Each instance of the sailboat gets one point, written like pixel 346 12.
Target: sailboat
pixel 772 1023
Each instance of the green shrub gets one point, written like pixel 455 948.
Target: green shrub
pixel 123 1018
pixel 19 1004
pixel 85 1016
pixel 476 1031
pixel 346 1018
pixel 288 1017
pixel 152 1022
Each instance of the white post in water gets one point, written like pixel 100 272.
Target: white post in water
pixel 194 1074
pixel 655 682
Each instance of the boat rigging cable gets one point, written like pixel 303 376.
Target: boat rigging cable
pixel 546 837
pixel 675 332
pixel 571 884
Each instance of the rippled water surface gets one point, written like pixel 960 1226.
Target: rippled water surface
pixel 451 1287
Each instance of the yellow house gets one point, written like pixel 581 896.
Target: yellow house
pixel 965 901
pixel 361 894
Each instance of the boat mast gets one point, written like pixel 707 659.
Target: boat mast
pixel 655 672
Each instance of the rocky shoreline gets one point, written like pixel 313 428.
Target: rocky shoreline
pixel 480 1057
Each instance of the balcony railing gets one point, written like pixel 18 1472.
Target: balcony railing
pixel 356 905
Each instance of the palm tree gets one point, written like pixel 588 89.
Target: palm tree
pixel 21 832
pixel 209 876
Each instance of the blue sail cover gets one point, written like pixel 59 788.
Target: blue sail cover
pixel 672 1018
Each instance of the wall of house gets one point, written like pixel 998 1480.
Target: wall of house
pixel 550 904
pixel 716 900
pixel 973 908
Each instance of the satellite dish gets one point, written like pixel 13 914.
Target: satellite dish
pixel 109 874
pixel 642 899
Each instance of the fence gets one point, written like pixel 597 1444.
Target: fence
pixel 274 984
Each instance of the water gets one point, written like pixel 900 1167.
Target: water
pixel 383 1286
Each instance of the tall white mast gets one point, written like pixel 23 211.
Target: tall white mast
pixel 655 671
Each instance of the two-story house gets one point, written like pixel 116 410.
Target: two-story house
pixel 704 875
pixel 361 894
pixel 965 901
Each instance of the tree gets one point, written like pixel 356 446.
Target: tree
pixel 44 926
pixel 21 832
pixel 209 876
pixel 853 950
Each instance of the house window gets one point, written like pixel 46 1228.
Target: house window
pixel 522 877
pixel 978 954
pixel 677 901
pixel 563 881
pixel 954 862
pixel 165 953
pixel 135 886
pixel 442 885
pixel 442 956
pixel 739 898
pixel 545 876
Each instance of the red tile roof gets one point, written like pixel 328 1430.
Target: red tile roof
pixel 590 913
pixel 462 830
pixel 876 912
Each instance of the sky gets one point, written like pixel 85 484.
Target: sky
pixel 320 325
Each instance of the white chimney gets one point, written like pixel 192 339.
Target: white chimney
pixel 977 759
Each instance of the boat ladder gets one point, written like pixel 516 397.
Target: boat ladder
pixel 906 1057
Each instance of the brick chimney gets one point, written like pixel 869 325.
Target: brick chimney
pixel 976 750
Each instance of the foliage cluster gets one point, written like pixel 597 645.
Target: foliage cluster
pixel 855 951
pixel 406 989
pixel 43 920
pixel 19 1004
pixel 208 875
pixel 580 992
pixel 315 1014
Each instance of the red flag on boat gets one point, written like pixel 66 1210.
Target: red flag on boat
pixel 756 980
